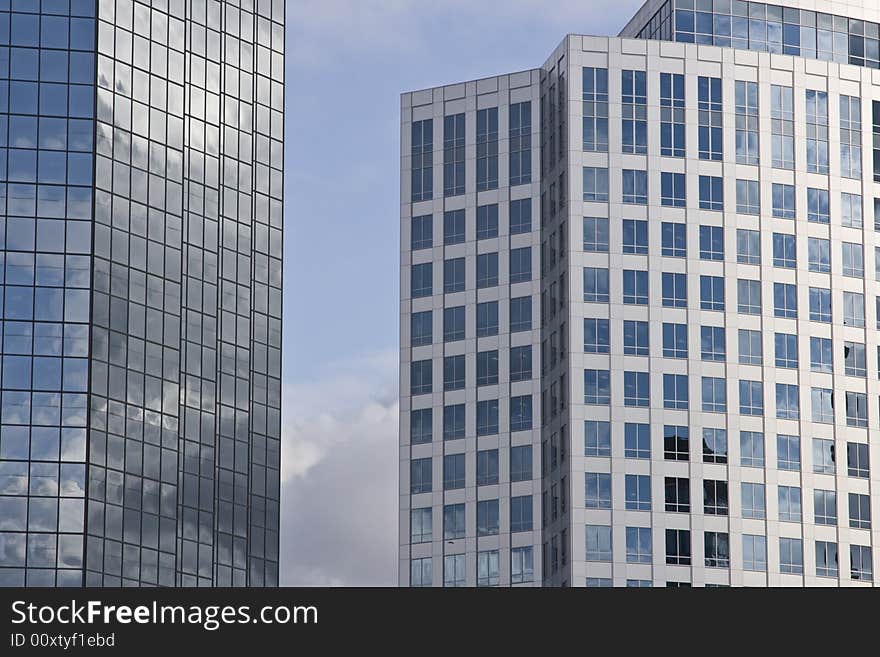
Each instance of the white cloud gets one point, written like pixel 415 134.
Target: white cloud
pixel 339 476
pixel 299 458
pixel 319 415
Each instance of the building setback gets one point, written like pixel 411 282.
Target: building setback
pixel 639 302
pixel 141 335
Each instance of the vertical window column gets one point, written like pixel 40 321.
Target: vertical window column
pixel 595 109
pixel 710 118
pixel 746 107
pixel 851 136
pixel 520 135
pixel 817 131
pixel 672 140
pixel 453 155
pixel 487 149
pixel 422 160
pixel 634 108
pixel 782 126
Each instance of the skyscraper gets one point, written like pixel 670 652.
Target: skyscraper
pixel 665 375
pixel 141 192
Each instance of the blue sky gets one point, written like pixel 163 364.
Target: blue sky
pixel 347 63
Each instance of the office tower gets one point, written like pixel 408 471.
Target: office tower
pixel 141 201
pixel 699 358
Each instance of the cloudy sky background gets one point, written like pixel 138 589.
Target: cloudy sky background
pixel 347 63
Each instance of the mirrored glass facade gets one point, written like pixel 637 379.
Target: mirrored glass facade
pixel 141 188
pixel 769 28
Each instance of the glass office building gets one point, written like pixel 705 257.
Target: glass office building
pixel 141 213
pixel 669 376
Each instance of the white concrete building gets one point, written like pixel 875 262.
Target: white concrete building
pixel 652 360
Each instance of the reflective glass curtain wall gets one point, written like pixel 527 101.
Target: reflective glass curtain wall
pixel 180 484
pixel 769 28
pixel 47 74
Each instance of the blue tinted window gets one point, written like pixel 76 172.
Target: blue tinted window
pixel 82 34
pixel 26 30
pixel 53 66
pixel 23 64
pixel 54 31
pixel 23 97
